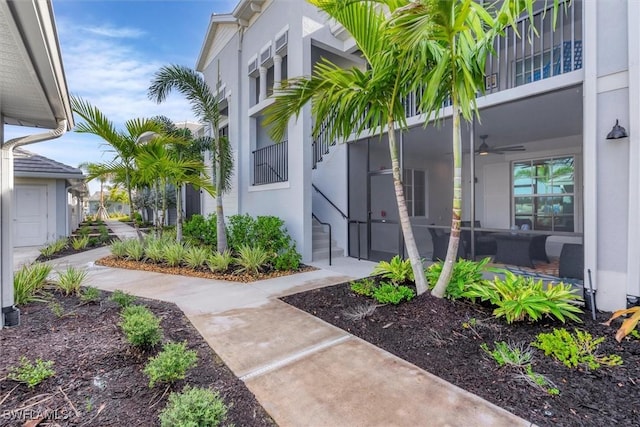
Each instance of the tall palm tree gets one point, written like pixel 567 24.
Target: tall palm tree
pixel 123 144
pixel 453 38
pixel 351 100
pixel 160 160
pixel 204 104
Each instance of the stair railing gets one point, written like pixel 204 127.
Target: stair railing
pixel 328 225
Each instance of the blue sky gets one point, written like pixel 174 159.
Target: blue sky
pixel 110 50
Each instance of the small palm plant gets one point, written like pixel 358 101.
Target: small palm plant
pixel 251 260
pixel 70 280
pixel 134 249
pixel 80 243
pixel 397 270
pixel 119 249
pixel 174 254
pixel 29 281
pixel 195 256
pixel 220 261
pixel 154 249
pixel 54 247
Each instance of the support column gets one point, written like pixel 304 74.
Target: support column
pixel 263 84
pixel 6 231
pixel 277 71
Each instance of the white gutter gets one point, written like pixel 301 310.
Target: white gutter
pixel 6 222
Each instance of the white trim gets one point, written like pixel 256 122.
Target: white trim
pixel 269 187
pixel 590 138
pixel 257 109
pixel 614 81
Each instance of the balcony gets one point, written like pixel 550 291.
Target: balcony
pixel 270 164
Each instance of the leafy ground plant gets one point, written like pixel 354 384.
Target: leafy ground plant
pixel 80 243
pixel 70 280
pixel 364 287
pixel 119 248
pixel 193 407
pixel 397 270
pixel 54 247
pixel 387 293
pixel 171 364
pixel 509 354
pixel 465 273
pixel 220 261
pixel 140 326
pixel 29 282
pixel 31 374
pixel 122 298
pixel 251 260
pixel 539 381
pixel 574 350
pixel 519 298
pixel 90 294
pixel 134 249
pixel 195 257
pixel 174 254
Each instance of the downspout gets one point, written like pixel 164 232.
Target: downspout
pixel 10 315
pixel 241 30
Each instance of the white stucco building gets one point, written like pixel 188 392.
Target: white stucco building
pixel 555 101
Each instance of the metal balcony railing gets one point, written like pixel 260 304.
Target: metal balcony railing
pixel 271 164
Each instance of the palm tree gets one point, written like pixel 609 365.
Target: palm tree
pixel 123 144
pixel 204 104
pixel 453 38
pixel 161 161
pixel 352 100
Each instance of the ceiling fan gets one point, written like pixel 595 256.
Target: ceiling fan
pixel 485 148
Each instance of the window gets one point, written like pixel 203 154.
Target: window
pixel 415 191
pixel 544 193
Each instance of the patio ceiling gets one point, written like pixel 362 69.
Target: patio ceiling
pixel 33 90
pixel 547 116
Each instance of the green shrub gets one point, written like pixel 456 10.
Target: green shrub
pixel 574 350
pixel 193 407
pixel 201 230
pixel 29 282
pixel 122 298
pixel 31 374
pixel 288 260
pixel 220 261
pixel 195 256
pixel 134 249
pixel 388 293
pixel 364 287
pixel 519 298
pixel 54 247
pixel 171 364
pixel 251 260
pixel 119 249
pixel 140 326
pixel 90 294
pixel 397 270
pixel 80 243
pixel 84 231
pixel 174 254
pixel 70 280
pixel 517 355
pixel 271 234
pixel 240 230
pixel 465 273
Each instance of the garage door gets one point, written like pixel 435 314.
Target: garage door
pixel 30 215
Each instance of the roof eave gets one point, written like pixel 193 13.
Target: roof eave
pixel 214 22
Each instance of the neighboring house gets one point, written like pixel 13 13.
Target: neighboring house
pixel 47 199
pixel 33 92
pixel 556 100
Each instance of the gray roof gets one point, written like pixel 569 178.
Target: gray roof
pixel 28 164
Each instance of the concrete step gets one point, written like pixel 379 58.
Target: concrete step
pixel 324 254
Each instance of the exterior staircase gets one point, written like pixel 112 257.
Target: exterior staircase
pixel 321 243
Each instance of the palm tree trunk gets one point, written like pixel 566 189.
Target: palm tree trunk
pixel 164 206
pixel 131 207
pixel 221 231
pixel 454 239
pixel 405 222
pixel 179 212
pixel 156 213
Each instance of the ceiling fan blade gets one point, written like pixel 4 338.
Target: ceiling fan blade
pixel 511 148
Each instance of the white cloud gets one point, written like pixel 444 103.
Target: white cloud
pixel 114 32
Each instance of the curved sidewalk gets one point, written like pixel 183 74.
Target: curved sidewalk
pixel 304 371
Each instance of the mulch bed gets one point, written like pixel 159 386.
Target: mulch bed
pixel 99 379
pixel 204 273
pixel 440 336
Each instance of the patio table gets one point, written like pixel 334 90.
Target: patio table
pixel 520 248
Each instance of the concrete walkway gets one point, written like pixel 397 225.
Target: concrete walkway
pixel 305 372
